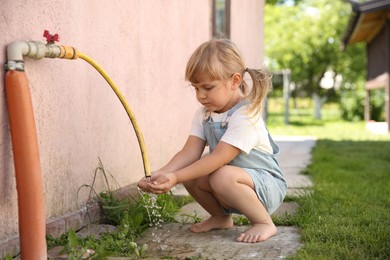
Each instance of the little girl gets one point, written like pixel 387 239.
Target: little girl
pixel 240 173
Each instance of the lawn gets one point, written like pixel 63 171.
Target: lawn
pixel 347 214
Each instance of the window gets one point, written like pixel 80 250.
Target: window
pixel 221 18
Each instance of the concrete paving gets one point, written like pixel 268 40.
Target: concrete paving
pixel 294 157
pixel 176 241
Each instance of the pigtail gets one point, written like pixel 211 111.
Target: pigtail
pixel 262 84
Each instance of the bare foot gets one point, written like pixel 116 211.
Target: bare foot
pixel 212 223
pixel 257 233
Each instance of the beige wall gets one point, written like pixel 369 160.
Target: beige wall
pixel 144 46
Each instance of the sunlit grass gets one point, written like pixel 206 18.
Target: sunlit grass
pixel 302 122
pixel 347 214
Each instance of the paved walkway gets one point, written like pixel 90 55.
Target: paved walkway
pixel 176 241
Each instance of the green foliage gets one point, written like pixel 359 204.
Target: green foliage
pixel 282 2
pixel 240 220
pixel 377 104
pixel 302 122
pixel 72 247
pixel 306 38
pixel 109 244
pixel 285 220
pixel 131 216
pixel 115 210
pixel 352 104
pixel 188 218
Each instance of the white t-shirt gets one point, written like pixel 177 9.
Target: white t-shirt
pixel 243 132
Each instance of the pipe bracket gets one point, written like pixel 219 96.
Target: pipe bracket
pixel 14 65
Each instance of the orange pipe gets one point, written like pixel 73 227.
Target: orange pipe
pixel 31 202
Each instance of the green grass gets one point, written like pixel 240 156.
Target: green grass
pixel 347 215
pixel 302 122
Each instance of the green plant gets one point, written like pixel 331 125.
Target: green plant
pixel 240 220
pixel 285 220
pixel 130 215
pixel 377 104
pixel 8 257
pixel 187 218
pixel 73 248
pixel 352 104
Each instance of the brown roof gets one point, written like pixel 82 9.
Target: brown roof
pixel 366 21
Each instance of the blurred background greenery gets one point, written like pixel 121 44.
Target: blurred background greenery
pixel 304 38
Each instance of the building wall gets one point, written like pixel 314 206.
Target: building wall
pixel 247 30
pixel 378 53
pixel 144 46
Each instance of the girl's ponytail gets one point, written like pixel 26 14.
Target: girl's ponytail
pixel 262 84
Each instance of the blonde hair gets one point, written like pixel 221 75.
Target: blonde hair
pixel 219 59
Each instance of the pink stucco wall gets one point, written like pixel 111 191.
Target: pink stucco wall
pixel 247 30
pixel 144 46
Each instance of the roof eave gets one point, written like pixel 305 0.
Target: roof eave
pixel 357 10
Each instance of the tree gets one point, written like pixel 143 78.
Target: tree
pixel 282 2
pixel 307 38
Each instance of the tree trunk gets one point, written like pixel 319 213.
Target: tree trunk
pixel 318 102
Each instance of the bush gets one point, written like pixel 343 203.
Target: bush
pixel 352 105
pixel 377 104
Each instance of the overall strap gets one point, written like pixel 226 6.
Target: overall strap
pixel 207 114
pixel 237 106
pixel 234 109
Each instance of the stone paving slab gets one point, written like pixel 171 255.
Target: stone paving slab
pixel 176 241
pixel 295 156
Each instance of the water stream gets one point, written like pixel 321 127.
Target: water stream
pixel 154 214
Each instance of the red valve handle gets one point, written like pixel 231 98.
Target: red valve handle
pixel 51 38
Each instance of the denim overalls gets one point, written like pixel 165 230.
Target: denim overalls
pixel 270 185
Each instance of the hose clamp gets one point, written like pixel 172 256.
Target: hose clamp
pixel 14 65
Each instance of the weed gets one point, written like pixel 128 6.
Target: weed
pixel 285 220
pixel 240 220
pixel 73 249
pixel 187 218
pixel 129 215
